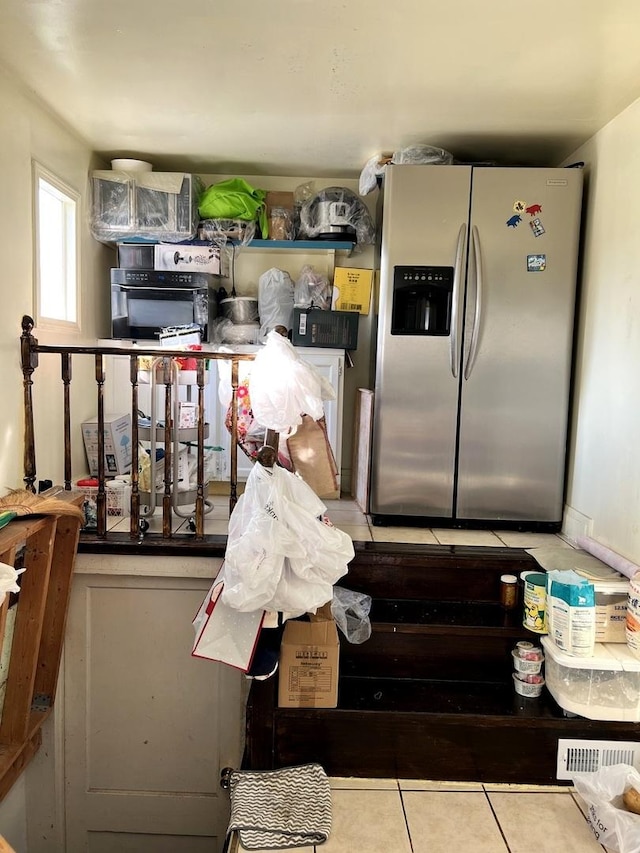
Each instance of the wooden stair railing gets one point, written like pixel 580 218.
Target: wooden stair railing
pixel 31 350
pixel 46 547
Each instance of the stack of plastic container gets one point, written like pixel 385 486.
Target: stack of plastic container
pixel 527 663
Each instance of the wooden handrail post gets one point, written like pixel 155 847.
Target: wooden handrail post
pixel 29 359
pixel 167 378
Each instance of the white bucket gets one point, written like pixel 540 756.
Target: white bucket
pixel 125 165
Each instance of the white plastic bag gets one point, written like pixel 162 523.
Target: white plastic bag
pixel 8 580
pixel 613 826
pixel 275 300
pixel 284 386
pixel 281 555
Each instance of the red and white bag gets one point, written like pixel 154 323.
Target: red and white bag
pixel 224 634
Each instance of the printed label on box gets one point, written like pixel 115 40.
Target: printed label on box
pixel 352 289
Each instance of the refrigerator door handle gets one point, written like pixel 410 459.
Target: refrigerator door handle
pixel 475 335
pixel 455 298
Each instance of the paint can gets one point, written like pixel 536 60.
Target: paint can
pixel 535 601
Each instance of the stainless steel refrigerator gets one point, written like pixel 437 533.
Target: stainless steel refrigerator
pixel 474 344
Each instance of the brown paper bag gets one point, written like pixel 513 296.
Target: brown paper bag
pixel 312 457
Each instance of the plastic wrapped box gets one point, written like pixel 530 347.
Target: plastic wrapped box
pixel 144 205
pixel 605 686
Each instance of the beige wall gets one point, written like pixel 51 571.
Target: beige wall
pixel 604 473
pixel 28 131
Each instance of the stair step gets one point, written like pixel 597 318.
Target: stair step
pixel 487 698
pixel 430 695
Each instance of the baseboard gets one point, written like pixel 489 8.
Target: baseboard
pixel 575 524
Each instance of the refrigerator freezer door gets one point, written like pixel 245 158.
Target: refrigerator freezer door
pixel 426 210
pixel 515 391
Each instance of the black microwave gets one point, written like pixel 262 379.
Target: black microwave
pixel 143 302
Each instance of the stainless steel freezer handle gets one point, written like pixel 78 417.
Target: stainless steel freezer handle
pixel 455 296
pixel 475 335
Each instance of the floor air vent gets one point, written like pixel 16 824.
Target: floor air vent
pixel 587 756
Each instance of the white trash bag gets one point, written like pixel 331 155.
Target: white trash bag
pixel 284 386
pixel 612 825
pixel 281 555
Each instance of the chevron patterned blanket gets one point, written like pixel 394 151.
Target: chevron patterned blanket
pixel 280 809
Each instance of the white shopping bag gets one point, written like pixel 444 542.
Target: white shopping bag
pixel 224 634
pixel 613 826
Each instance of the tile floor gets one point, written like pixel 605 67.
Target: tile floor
pixel 400 816
pixel 346 515
pixel 407 816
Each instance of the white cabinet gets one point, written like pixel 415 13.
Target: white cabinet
pixel 329 362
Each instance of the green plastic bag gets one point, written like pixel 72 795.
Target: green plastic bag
pixel 234 199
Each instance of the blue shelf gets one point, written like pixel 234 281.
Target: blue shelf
pixel 306 245
pixel 282 245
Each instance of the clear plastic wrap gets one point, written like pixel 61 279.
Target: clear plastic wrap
pixel 337 213
pixel 221 231
pixel 312 290
pixel 419 153
pixel 275 300
pixel 225 331
pixel 281 224
pixel 351 611
pixel 160 206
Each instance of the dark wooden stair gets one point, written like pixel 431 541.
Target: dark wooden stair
pixel 430 695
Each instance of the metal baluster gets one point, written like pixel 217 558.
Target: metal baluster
pixel 200 454
pixel 167 378
pixel 233 477
pixel 134 526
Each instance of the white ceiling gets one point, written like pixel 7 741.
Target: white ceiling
pixel 316 87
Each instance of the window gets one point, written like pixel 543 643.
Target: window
pixel 56 250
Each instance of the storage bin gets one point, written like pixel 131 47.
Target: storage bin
pixel 605 686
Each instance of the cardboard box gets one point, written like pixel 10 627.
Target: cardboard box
pixel 117 444
pixel 352 289
pixel 313 327
pixel 309 662
pixel 276 198
pixel 186 258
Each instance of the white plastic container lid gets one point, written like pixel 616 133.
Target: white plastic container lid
pixel 615 657
pixel 601 658
pixel 612 587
